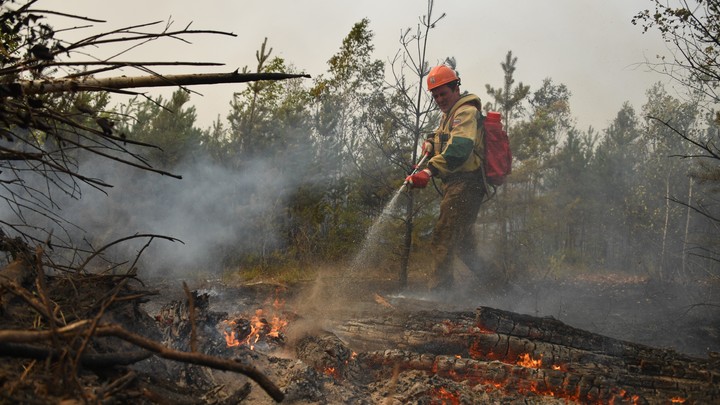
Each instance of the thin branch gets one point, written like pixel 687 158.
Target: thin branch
pixel 705 147
pixel 100 250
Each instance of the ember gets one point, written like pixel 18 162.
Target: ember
pixel 445 397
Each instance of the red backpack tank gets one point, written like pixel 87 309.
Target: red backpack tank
pixel 498 157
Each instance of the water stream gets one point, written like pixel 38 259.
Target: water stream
pixel 372 239
pixel 337 291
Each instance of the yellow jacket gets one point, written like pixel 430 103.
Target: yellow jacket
pixel 458 142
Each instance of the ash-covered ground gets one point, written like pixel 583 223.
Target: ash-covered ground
pixel 682 318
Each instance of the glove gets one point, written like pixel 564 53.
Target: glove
pixel 427 148
pixel 419 179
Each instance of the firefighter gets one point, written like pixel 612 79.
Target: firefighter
pixel 454 150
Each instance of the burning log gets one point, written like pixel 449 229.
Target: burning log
pixel 525 355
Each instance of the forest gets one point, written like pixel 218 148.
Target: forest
pixel 296 173
pixel 113 208
pixel 293 176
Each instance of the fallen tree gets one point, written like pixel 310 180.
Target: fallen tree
pixel 514 354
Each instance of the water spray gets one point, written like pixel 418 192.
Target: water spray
pixel 372 239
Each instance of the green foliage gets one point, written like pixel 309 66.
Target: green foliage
pixel 168 124
pixel 508 98
pixel 24 32
pixel 252 118
pixel 693 28
pixel 550 119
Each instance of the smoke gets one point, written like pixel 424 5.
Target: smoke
pixel 212 210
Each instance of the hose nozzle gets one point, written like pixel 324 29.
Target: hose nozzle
pixel 415 169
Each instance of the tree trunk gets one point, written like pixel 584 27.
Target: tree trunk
pixel 683 269
pixel 664 271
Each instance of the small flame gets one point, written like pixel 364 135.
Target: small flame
pixel 382 301
pixel 446 397
pixel 526 361
pixel 332 372
pixel 229 332
pixel 677 400
pixel 277 325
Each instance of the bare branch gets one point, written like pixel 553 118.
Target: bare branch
pixel 98 251
pixel 707 147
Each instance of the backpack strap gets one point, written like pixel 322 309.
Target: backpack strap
pixel 488 186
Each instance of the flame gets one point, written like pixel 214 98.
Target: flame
pixel 446 397
pixel 277 325
pixel 332 372
pixel 229 332
pixel 255 328
pixel 526 361
pixel 259 327
pixel 677 400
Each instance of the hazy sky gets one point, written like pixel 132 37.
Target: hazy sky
pixel 590 46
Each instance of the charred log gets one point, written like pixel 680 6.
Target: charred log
pixel 526 354
pixel 91 360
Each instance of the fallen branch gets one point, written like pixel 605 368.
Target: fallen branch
pixel 28 336
pixel 193 358
pixel 113 83
pixel 16 289
pixel 25 336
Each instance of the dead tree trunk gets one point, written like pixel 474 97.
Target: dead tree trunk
pixel 523 354
pixel 123 82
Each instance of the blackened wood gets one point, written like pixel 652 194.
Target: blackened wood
pixel 515 350
pixel 87 359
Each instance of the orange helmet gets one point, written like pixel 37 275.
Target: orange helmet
pixel 440 75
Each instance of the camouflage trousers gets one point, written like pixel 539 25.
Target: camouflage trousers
pixel 453 234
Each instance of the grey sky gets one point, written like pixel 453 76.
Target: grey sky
pixel 590 46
